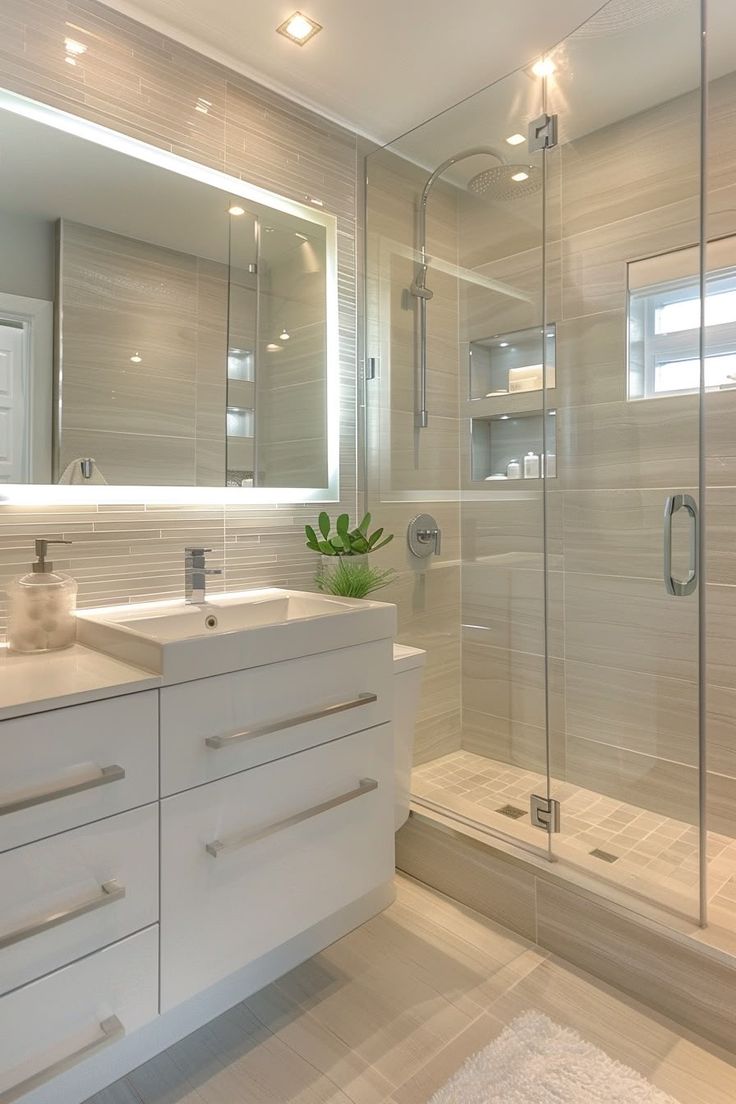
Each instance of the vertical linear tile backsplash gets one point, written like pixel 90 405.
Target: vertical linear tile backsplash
pixel 136 81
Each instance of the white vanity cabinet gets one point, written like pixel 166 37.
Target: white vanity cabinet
pixel 137 908
pixel 71 766
pixel 251 861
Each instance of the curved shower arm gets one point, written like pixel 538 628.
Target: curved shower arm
pixel 419 284
pixel 473 151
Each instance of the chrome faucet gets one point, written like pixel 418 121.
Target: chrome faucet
pixel 195 575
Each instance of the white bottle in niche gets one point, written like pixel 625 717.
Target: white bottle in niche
pixel 41 607
pixel 550 467
pixel 531 465
pixel 513 469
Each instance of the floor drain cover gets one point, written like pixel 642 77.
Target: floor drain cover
pixel 511 811
pixel 606 856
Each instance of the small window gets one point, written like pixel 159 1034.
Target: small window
pixel 664 335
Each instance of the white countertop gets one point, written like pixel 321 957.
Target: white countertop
pixel 52 680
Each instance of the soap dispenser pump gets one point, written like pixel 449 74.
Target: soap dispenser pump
pixel 41 606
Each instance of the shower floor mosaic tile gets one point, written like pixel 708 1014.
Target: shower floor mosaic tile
pixel 640 851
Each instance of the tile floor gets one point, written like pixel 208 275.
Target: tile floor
pixel 387 1014
pixel 644 852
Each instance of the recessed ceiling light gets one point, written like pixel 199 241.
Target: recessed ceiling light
pixel 136 358
pixel 236 210
pixel 299 28
pixel 504 417
pixel 519 176
pixel 503 344
pixel 545 67
pixel 515 139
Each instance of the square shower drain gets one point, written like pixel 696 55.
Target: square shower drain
pixel 511 811
pixel 606 856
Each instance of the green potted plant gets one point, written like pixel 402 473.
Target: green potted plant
pixel 345 568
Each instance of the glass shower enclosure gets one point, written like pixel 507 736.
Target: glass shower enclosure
pixel 546 383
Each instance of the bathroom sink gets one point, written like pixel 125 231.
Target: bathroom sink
pixel 231 632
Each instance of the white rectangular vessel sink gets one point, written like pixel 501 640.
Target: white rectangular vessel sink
pixel 231 632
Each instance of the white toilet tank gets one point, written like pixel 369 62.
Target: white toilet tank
pixel 408 665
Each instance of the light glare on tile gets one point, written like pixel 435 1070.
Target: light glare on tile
pixel 236 210
pixel 503 344
pixel 315 200
pixel 299 28
pixel 545 67
pixel 519 176
pixel 515 139
pixel 284 335
pixel 136 358
pixel 272 347
pixel 72 46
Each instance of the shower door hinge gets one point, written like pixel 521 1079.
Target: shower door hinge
pixel 545 813
pixel 543 133
pixel 253 269
pixel 371 368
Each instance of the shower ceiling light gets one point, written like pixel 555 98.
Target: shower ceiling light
pixel 545 67
pixel 299 28
pixel 521 175
pixel 236 209
pixel 503 344
pixel 515 139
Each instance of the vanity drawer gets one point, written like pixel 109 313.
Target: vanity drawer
pixel 228 723
pixel 71 766
pixel 74 893
pixel 253 860
pixel 66 1018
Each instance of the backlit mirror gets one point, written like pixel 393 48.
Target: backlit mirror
pixel 162 325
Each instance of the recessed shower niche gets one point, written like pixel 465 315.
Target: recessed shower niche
pixel 506 374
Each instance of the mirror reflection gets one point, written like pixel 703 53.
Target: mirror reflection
pixel 155 330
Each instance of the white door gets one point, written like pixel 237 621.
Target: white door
pixel 13 404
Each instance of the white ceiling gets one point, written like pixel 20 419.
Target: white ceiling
pixel 379 66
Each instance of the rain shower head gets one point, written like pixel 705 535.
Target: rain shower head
pixel 506 181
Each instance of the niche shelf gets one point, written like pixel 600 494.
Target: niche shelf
pixel 509 366
pixel 498 440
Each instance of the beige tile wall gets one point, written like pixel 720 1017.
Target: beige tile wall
pixel 137 81
pixel 407 468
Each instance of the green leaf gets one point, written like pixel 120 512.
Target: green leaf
pixel 363 527
pixel 343 525
pixel 326 548
pixel 383 543
pixel 374 537
pixel 311 537
pixel 337 544
pixel 324 524
pixel 360 546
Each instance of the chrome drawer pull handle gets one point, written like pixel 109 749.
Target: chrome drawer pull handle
pixel 289 722
pixel 233 843
pixel 112 1031
pixel 111 891
pixel 62 789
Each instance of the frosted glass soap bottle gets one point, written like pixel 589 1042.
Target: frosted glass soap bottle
pixel 41 606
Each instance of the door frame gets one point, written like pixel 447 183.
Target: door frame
pixel 37 319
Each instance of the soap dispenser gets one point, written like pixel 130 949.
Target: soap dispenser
pixel 41 606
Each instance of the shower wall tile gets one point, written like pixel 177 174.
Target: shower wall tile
pixel 635 711
pixel 137 81
pixel 630 624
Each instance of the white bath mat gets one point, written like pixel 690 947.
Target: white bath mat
pixel 535 1061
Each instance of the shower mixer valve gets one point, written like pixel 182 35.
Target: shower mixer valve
pixel 424 536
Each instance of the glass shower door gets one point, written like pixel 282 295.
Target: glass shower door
pixel 623 292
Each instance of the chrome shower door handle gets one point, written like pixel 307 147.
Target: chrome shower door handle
pixel 681 587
